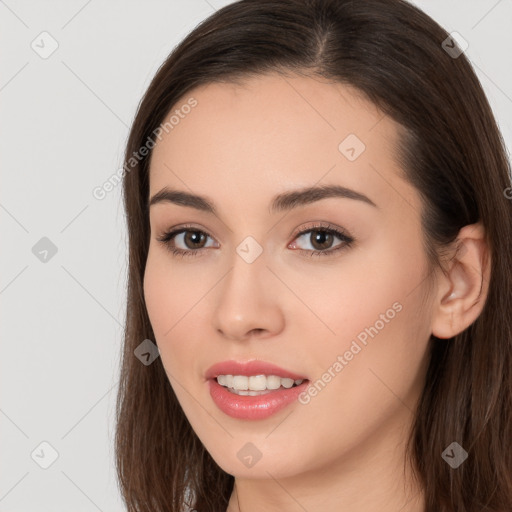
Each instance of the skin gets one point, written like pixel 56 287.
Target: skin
pixel 240 146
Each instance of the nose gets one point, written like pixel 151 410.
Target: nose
pixel 247 303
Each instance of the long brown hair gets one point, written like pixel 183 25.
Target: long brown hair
pixel 451 150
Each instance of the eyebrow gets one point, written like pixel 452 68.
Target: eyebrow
pixel 281 202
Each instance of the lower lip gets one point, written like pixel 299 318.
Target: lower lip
pixel 259 407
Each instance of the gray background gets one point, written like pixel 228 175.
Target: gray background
pixel 65 120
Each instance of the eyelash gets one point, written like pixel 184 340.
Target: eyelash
pixel 347 240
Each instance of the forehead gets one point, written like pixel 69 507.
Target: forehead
pixel 272 131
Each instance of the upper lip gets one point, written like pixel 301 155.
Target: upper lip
pixel 249 368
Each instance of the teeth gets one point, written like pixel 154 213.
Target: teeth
pixel 255 382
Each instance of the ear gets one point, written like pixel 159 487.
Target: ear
pixel 463 287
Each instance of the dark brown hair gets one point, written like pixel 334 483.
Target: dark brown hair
pixel 451 150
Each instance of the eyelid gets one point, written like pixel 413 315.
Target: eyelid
pixel 319 225
pixel 179 229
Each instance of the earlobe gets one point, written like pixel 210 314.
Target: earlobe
pixel 463 287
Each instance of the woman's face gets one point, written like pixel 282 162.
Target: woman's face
pixel 267 283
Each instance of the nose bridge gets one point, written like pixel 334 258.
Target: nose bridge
pixel 244 283
pixel 246 302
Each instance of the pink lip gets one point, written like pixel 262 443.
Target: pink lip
pixel 253 407
pixel 249 368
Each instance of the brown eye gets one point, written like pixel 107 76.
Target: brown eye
pixel 194 239
pixel 321 239
pixel 186 241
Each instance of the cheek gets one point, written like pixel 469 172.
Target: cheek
pixel 157 296
pixel 174 295
pixel 168 293
pixel 166 302
pixel 372 370
pixel 365 287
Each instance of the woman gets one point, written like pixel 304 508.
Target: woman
pixel 320 243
